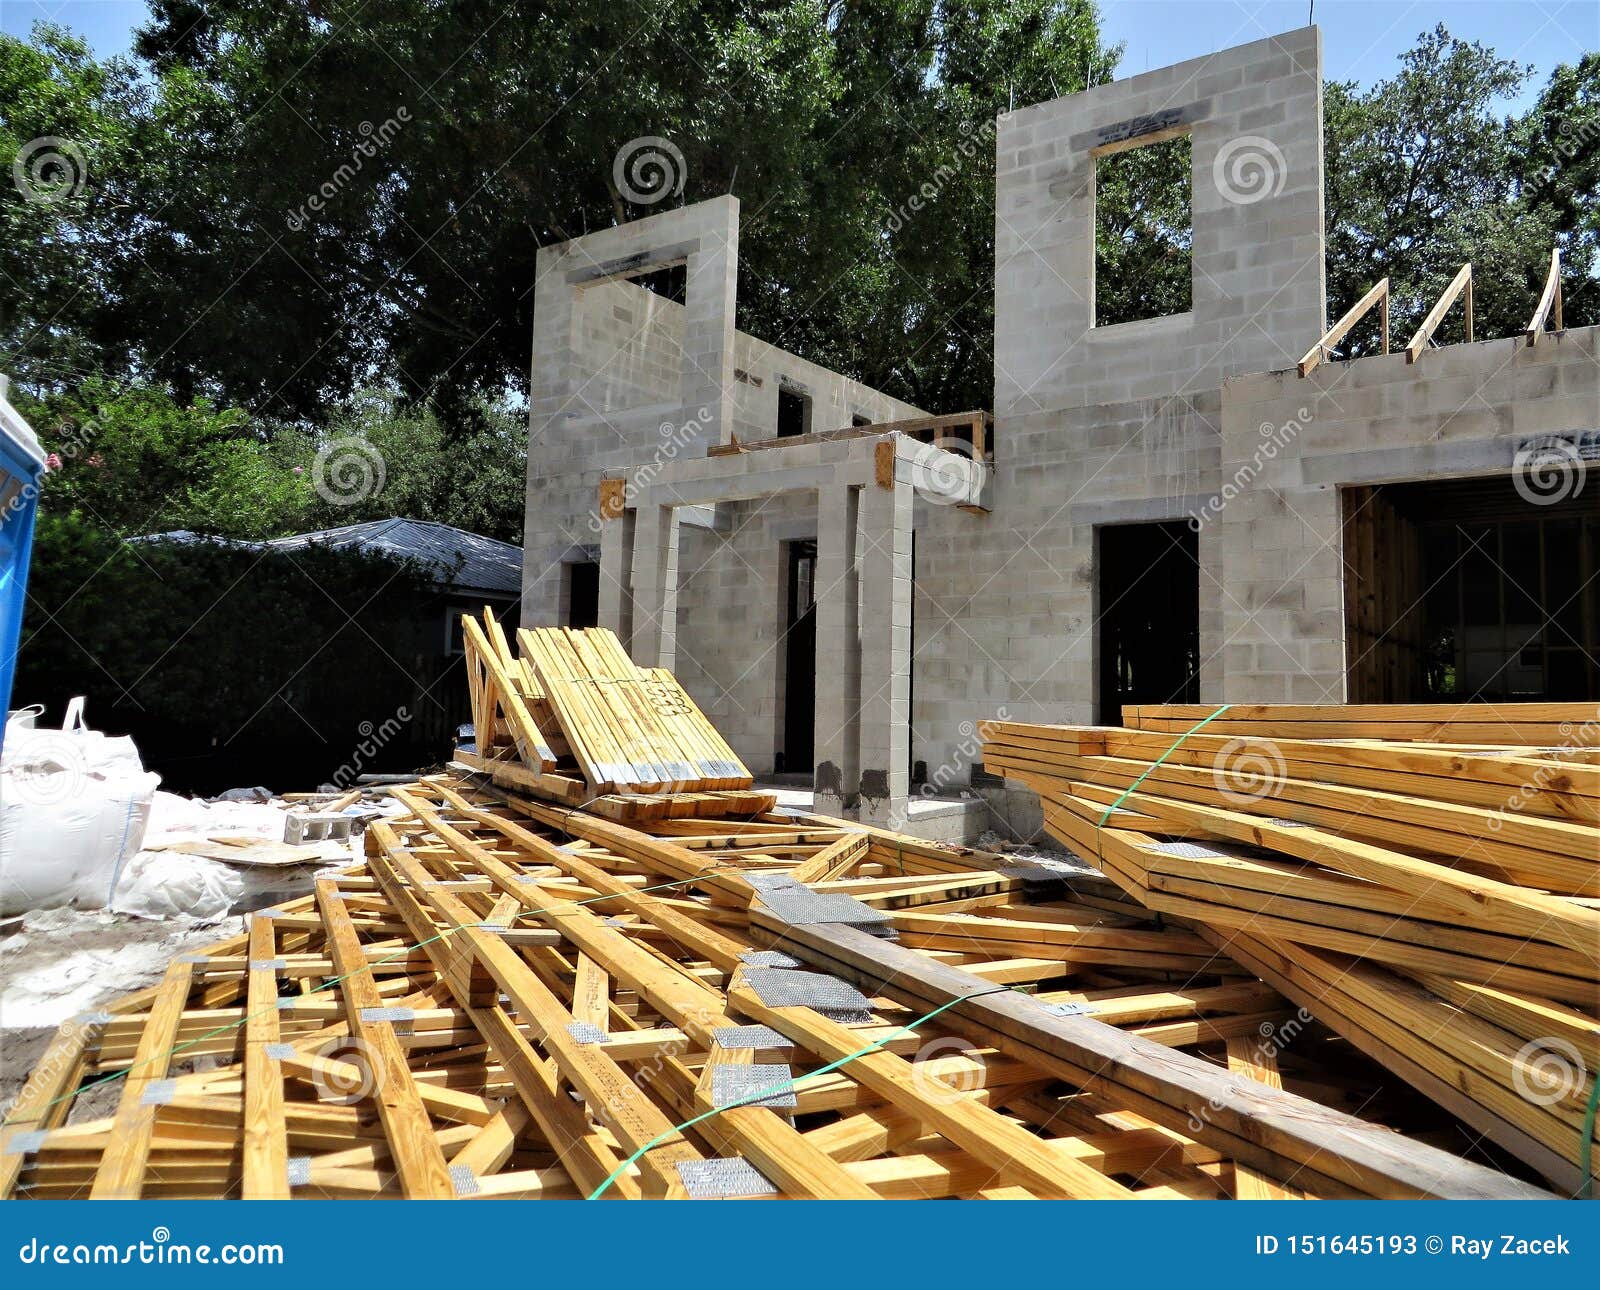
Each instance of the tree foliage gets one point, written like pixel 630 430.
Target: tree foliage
pixel 290 204
pixel 168 642
pixel 344 187
pixel 1423 175
pixel 135 461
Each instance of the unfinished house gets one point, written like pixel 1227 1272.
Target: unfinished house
pixel 1205 506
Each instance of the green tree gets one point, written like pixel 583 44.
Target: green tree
pixel 85 163
pixel 1423 174
pixel 473 479
pixel 359 187
pixel 132 460
pixel 1557 160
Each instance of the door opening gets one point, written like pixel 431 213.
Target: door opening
pixel 1148 616
pixel 583 593
pixel 800 660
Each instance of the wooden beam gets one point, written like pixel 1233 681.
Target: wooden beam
pixel 422 1168
pixel 1461 283
pixel 1548 301
pixel 1318 352
pixel 122 1167
pixel 1265 1127
pixel 923 428
pixel 1013 1153
pixel 266 1141
pixel 46 1097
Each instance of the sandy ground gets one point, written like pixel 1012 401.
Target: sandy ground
pixel 61 962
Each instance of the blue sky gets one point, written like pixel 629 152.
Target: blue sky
pixel 1361 38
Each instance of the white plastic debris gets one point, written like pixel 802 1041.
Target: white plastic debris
pixel 172 884
pixel 74 804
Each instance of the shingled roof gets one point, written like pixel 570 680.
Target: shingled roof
pixel 470 561
pixel 465 561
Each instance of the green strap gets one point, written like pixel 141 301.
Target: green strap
pixel 1587 1190
pixel 782 1085
pixel 1198 726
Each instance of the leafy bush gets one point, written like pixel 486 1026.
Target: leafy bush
pixel 230 664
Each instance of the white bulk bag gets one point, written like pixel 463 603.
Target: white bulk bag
pixel 73 808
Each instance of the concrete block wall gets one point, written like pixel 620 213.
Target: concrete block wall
pixel 1168 419
pixel 1254 118
pixel 761 369
pixel 631 343
pixel 622 376
pixel 731 618
pixel 1293 444
pixel 1122 424
pixel 605 393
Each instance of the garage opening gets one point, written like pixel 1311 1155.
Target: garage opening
pixel 1148 616
pixel 1466 590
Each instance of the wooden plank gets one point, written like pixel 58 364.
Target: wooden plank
pixel 1263 1126
pixel 1459 285
pixel 121 1174
pixel 406 1125
pixel 1549 299
pixel 1014 1154
pixel 266 1140
pixel 1247 1058
pixel 46 1097
pixel 1340 329
pixel 976 422
pixel 637 1123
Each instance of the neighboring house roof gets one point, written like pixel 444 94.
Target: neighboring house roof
pixel 468 561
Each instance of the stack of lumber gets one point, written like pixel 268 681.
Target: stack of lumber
pixel 511 998
pixel 1431 898
pixel 573 720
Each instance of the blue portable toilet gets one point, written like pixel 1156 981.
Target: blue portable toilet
pixel 21 468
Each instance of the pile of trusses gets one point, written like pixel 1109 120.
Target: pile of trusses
pixel 1422 879
pixel 515 998
pixel 574 721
